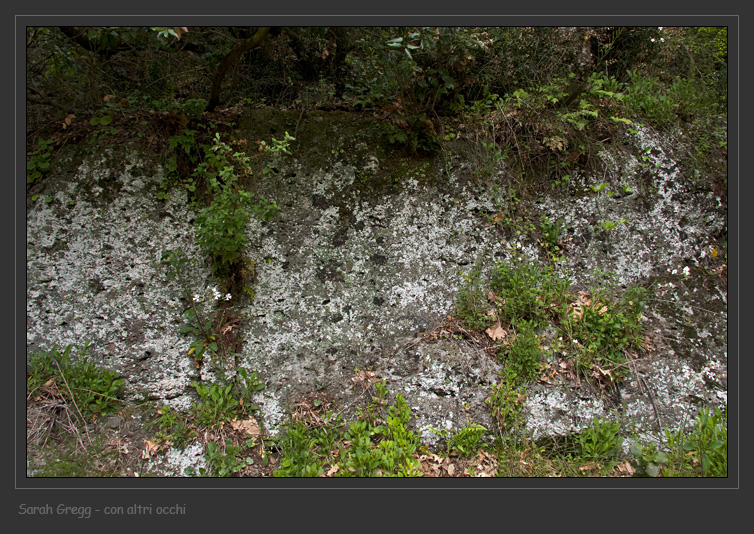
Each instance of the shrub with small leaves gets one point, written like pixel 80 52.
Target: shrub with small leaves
pixel 221 226
pixel 38 162
pixel 522 354
pixel 506 400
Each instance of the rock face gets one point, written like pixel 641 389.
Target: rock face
pixel 365 260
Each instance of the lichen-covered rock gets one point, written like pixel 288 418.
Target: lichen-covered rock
pixel 366 257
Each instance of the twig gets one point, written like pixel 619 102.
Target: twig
pixel 73 400
pixel 654 405
pixel 682 304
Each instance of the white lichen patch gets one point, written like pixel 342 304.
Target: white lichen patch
pixel 174 462
pixel 558 412
pixel 94 273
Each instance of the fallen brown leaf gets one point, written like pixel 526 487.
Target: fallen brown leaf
pixel 497 332
pixel 249 426
pixel 150 448
pixel 589 466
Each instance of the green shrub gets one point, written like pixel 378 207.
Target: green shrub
pixel 607 328
pixel 38 162
pixel 366 448
pixel 522 354
pixel 646 98
pixel 703 452
pixel 471 303
pixel 93 391
pixel 600 442
pixel 221 226
pixel 528 291
pixel 506 399
pixel 466 441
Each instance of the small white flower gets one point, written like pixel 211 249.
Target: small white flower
pixel 662 39
pixel 576 341
pixel 227 297
pixel 197 298
pixel 674 271
pixel 686 271
pixel 652 39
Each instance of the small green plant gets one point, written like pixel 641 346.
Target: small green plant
pixel 703 452
pixel 218 404
pixel 522 354
pixel 363 448
pixel 222 403
pixel 610 225
pixel 103 120
pixel 646 97
pixel 299 453
pixel 528 291
pixel 551 232
pixel 562 181
pixel 282 145
pixel 224 463
pixel 471 303
pixel 491 156
pixel 599 187
pixel 466 441
pixel 647 460
pixel 38 161
pixel 506 399
pixel 77 380
pixel 173 428
pixel 607 328
pixel 600 442
pixel 198 321
pixel 392 453
pixel 221 226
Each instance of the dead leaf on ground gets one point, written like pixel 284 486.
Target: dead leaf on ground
pixel 249 426
pixel 228 328
pixel 150 448
pixel 583 300
pixel 497 332
pixel 589 466
pixel 626 469
pixel 67 120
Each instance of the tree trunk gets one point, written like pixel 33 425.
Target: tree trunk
pixel 231 59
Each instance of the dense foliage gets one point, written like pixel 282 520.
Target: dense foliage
pixel 419 76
